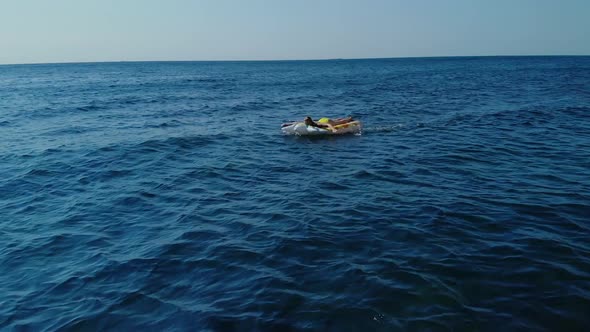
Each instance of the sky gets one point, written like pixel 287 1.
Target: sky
pixel 43 31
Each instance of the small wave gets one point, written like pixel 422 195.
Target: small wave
pixel 383 128
pixel 40 172
pixel 183 142
pixel 89 108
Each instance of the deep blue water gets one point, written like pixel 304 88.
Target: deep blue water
pixel 163 196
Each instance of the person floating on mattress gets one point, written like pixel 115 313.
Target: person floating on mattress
pixel 327 122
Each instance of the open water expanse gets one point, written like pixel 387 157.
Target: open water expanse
pixel 162 196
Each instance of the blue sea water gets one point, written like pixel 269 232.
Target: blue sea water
pixel 162 196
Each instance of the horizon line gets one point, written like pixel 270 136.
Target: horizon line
pixel 298 60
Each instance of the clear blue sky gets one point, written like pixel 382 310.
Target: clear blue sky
pixel 113 30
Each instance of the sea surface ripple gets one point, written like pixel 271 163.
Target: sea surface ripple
pixel 162 196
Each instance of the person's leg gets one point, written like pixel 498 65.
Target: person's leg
pixel 342 121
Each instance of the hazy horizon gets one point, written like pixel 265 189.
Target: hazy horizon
pixel 66 31
pixel 290 60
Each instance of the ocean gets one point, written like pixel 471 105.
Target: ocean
pixel 162 196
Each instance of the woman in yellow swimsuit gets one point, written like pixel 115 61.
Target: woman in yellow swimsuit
pixel 335 122
pixel 327 122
